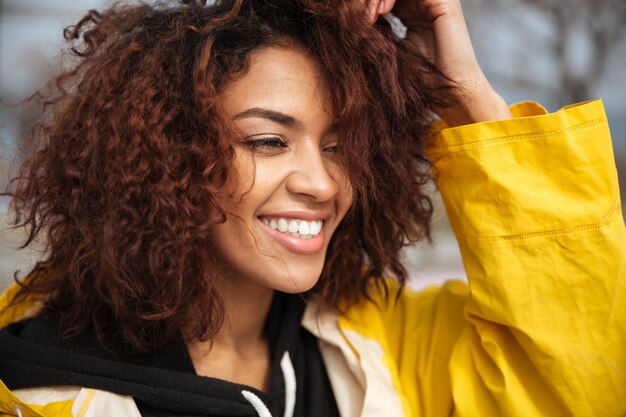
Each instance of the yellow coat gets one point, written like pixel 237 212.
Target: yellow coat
pixel 539 331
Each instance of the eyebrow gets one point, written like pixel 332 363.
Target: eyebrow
pixel 272 115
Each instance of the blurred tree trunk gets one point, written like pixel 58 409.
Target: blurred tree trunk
pixel 582 35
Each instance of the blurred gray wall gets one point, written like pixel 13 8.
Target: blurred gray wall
pixel 30 41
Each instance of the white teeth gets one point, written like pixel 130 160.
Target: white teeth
pixel 316 228
pixel 300 228
pixel 304 228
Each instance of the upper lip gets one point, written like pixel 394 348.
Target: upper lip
pixel 296 214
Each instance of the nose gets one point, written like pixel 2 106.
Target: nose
pixel 313 176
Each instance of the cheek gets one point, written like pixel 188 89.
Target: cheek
pixel 250 183
pixel 253 178
pixel 346 198
pixel 345 191
pixel 241 177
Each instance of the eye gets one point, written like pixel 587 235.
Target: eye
pixel 332 148
pixel 266 143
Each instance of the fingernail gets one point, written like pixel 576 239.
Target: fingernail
pixel 381 6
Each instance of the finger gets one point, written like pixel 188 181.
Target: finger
pixel 372 10
pixel 385 7
pixel 379 8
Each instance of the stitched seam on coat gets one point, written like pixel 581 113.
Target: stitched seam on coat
pixel 613 218
pixel 518 138
pixel 86 403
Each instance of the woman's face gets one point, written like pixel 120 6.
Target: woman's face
pixel 292 192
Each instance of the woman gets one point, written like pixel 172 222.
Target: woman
pixel 225 192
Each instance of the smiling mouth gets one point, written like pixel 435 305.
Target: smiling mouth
pixel 302 229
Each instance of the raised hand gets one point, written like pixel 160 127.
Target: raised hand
pixel 438 29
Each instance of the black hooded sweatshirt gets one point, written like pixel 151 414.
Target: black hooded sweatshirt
pixel 164 383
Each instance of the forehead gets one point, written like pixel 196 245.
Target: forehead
pixel 285 79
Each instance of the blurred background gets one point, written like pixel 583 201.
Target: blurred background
pixel 550 51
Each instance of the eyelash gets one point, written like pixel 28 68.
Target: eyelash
pixel 276 143
pixel 266 143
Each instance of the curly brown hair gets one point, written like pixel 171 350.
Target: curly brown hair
pixel 125 181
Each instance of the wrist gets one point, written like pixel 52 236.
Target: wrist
pixel 474 102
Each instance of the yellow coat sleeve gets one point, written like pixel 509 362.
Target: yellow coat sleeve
pixel 535 206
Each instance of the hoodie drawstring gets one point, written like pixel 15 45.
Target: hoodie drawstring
pixel 289 377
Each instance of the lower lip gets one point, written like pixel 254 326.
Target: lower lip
pixel 296 244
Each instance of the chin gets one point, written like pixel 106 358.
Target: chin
pixel 296 281
pixel 297 287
